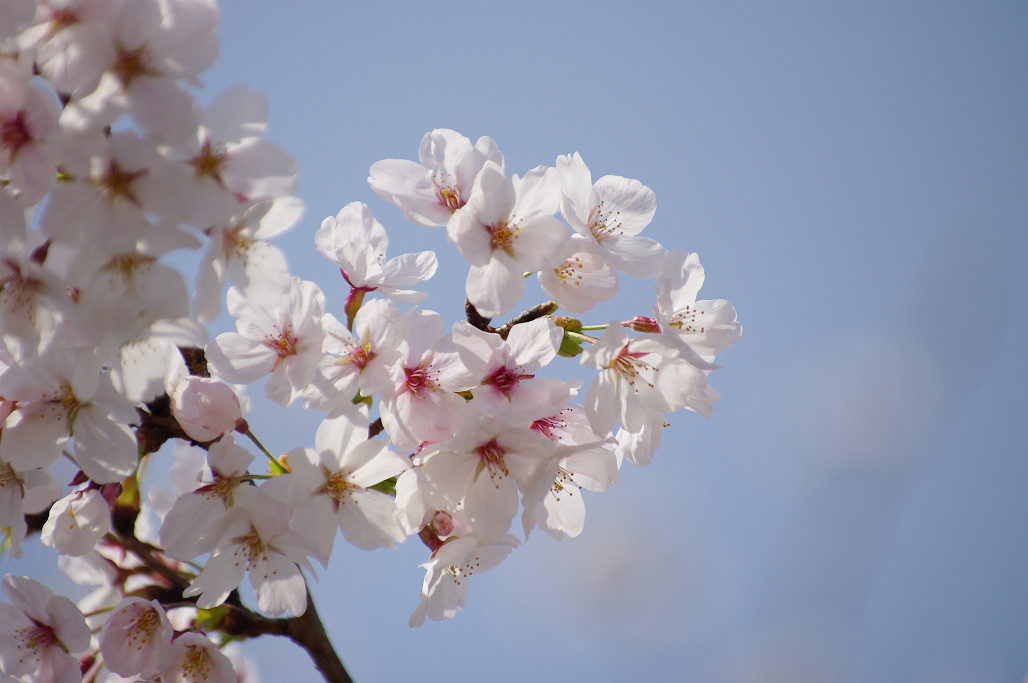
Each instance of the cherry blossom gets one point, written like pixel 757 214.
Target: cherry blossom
pixel 28 117
pixel 136 640
pixel 639 380
pixel 77 522
pixel 196 659
pixel 205 408
pixel 448 572
pixel 38 633
pixel 357 243
pixel 357 361
pixel 611 214
pixel 582 279
pixel 506 228
pixel 700 329
pixel 332 486
pixel 485 465
pixel 506 369
pixel 280 336
pixel 430 192
pixel 422 405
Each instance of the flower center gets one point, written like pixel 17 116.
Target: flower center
pixel 210 162
pixel 14 134
pixel 506 379
pixel 419 379
pixel 133 64
pixel 490 457
pixel 117 183
pixel 569 272
pixel 447 191
pixel 604 224
pixel 33 639
pixel 630 365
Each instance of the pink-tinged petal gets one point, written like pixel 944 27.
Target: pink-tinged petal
pixel 198 659
pixel 34 436
pixel 236 114
pixel 240 360
pixel 372 463
pixel 634 255
pixel 219 577
pixel 372 523
pixel 407 270
pixel 495 287
pixel 601 402
pixel 534 344
pixel 634 202
pixel 577 190
pixel 408 185
pixel 479 351
pixel 537 244
pixel 339 434
pixel 279 585
pixel 471 234
pixel 491 504
pixel 105 450
pixel 538 193
pixel 163 107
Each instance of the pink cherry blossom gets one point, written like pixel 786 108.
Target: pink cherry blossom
pixel 38 633
pixel 136 640
pixel 205 408
pixel 197 660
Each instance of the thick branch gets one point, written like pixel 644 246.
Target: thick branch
pixel 306 630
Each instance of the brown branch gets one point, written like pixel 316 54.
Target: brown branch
pixel 482 323
pixel 306 630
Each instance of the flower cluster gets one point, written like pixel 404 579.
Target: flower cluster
pixel 439 430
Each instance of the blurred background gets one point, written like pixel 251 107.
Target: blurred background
pixel 854 177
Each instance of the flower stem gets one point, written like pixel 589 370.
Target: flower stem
pixel 275 465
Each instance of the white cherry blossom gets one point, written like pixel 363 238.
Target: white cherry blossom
pixel 582 279
pixel 611 213
pixel 506 369
pixel 258 542
pixel 357 243
pixel 331 486
pixel 278 335
pixel 77 522
pixel 700 329
pixel 358 360
pixel 507 228
pixel 429 192
pixel 448 572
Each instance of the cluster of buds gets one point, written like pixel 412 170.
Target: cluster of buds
pixel 435 430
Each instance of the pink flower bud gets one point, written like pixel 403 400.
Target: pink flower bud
pixel 205 408
pixel 442 522
pixel 641 323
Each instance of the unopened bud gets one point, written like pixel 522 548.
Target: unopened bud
pixel 641 323
pixel 442 522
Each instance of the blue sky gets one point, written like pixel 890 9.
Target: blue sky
pixel 854 177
